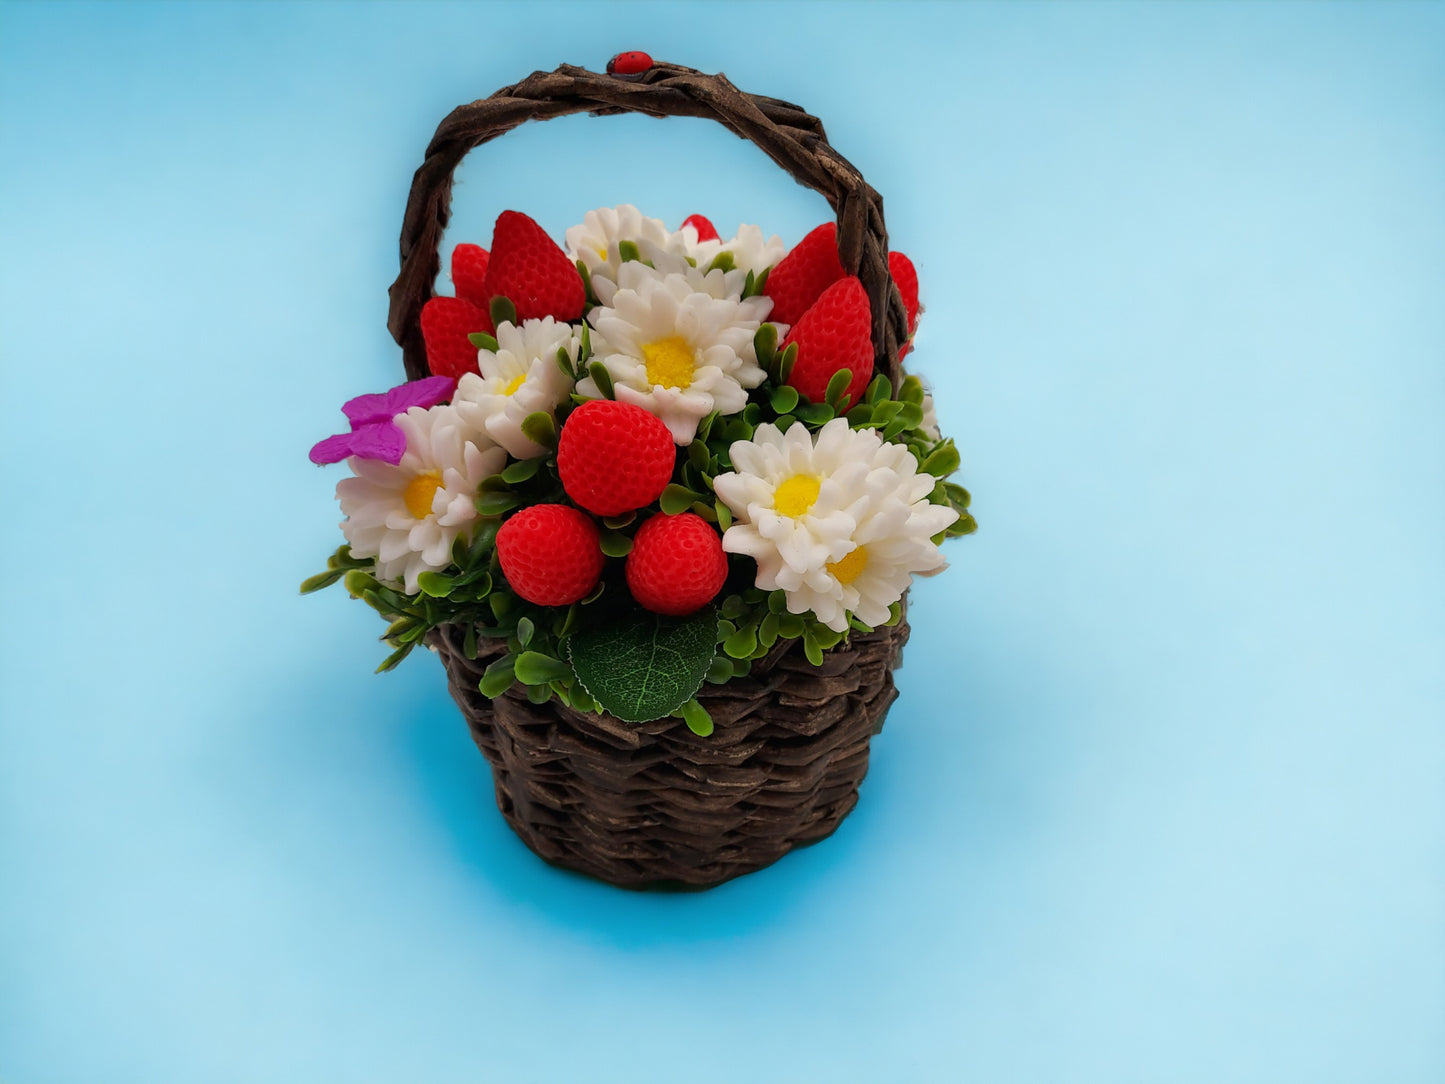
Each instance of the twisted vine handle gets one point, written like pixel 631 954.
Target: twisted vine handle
pixel 792 138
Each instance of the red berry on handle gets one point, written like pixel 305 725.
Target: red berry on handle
pixel 614 457
pixel 632 62
pixel 677 564
pixel 706 231
pixel 550 554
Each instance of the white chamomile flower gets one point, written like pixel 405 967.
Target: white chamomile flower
pixel 750 251
pixel 407 516
pixel 678 343
pixel 520 377
pixel 839 523
pixel 929 426
pixel 596 242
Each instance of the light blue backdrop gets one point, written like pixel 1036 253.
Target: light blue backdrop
pixel 1162 798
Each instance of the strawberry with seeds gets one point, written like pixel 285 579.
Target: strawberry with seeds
pixel 835 333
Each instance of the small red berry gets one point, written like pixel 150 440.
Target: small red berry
pixel 445 324
pixel 550 554
pixel 632 62
pixel 677 564
pixel 614 457
pixel 706 231
pixel 905 277
pixel 835 333
pixel 469 272
pixel 804 273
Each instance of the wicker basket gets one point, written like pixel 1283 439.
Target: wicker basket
pixel 652 804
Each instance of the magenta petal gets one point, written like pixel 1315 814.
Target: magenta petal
pixel 332 449
pixel 426 392
pixel 382 440
pixel 365 409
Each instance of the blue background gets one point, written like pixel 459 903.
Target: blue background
pixel 1162 797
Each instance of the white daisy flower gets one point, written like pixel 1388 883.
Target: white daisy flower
pixel 407 516
pixel 749 249
pixel 929 425
pixel 840 524
pixel 520 377
pixel 678 343
pixel 596 241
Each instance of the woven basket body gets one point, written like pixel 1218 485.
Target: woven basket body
pixel 652 804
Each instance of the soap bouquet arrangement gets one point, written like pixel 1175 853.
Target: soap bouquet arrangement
pixel 641 462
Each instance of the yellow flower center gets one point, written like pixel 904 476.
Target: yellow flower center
pixel 670 362
pixel 516 382
pixel 850 566
pixel 419 493
pixel 602 252
pixel 796 495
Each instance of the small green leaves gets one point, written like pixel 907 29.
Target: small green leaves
pixel 498 677
pixel 837 385
pixel 642 666
pixel 434 584
pixel 942 461
pixel 723 261
pixel 320 580
pixel 677 499
pixel 697 718
pixel 742 643
pixel 755 284
pixel 783 399
pixel 786 363
pixel 534 668
pixel 765 346
pixel 502 311
pixel 912 391
pixel 615 543
pixel 496 504
pixel 526 629
pixel 628 250
pixel 587 282
pixel 539 428
pixel 724 514
pixel 521 470
pixel 482 341
pixel 602 378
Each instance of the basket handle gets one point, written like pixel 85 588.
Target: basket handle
pixel 792 138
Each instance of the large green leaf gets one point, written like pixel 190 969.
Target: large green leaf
pixel 642 666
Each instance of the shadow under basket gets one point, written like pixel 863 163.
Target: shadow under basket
pixel 652 805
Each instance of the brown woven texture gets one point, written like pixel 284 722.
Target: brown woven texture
pixel 652 804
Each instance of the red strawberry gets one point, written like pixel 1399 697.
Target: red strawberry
pixel 803 274
pixel 835 333
pixel 445 324
pixel 469 272
pixel 614 457
pixel 706 231
pixel 905 276
pixel 529 270
pixel 550 555
pixel 677 564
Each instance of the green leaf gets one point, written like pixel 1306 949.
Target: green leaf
pixel 783 399
pixel 502 311
pixel 704 427
pixel 704 511
pixel 765 346
pixel 697 718
pixel 912 391
pixel 539 694
pixel 539 428
pixel 521 470
pixel 616 523
pixel 724 514
pixel 943 461
pixel 812 649
pixel 742 643
pixel 586 282
pixel 391 661
pixel 628 250
pixel 699 456
pixel 720 670
pixel 837 385
pixel 564 362
pixel 584 350
pixel 434 584
pixel 642 666
pixel 723 261
pixel 677 499
pixel 526 629
pixel 496 504
pixel 768 630
pixel 501 603
pixel 534 668
pixel 815 413
pixel 482 341
pixel 602 378
pixel 786 363
pixel 615 543
pixel 754 285
pixel 320 580
pixel 878 390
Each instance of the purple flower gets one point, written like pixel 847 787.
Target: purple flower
pixel 373 433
